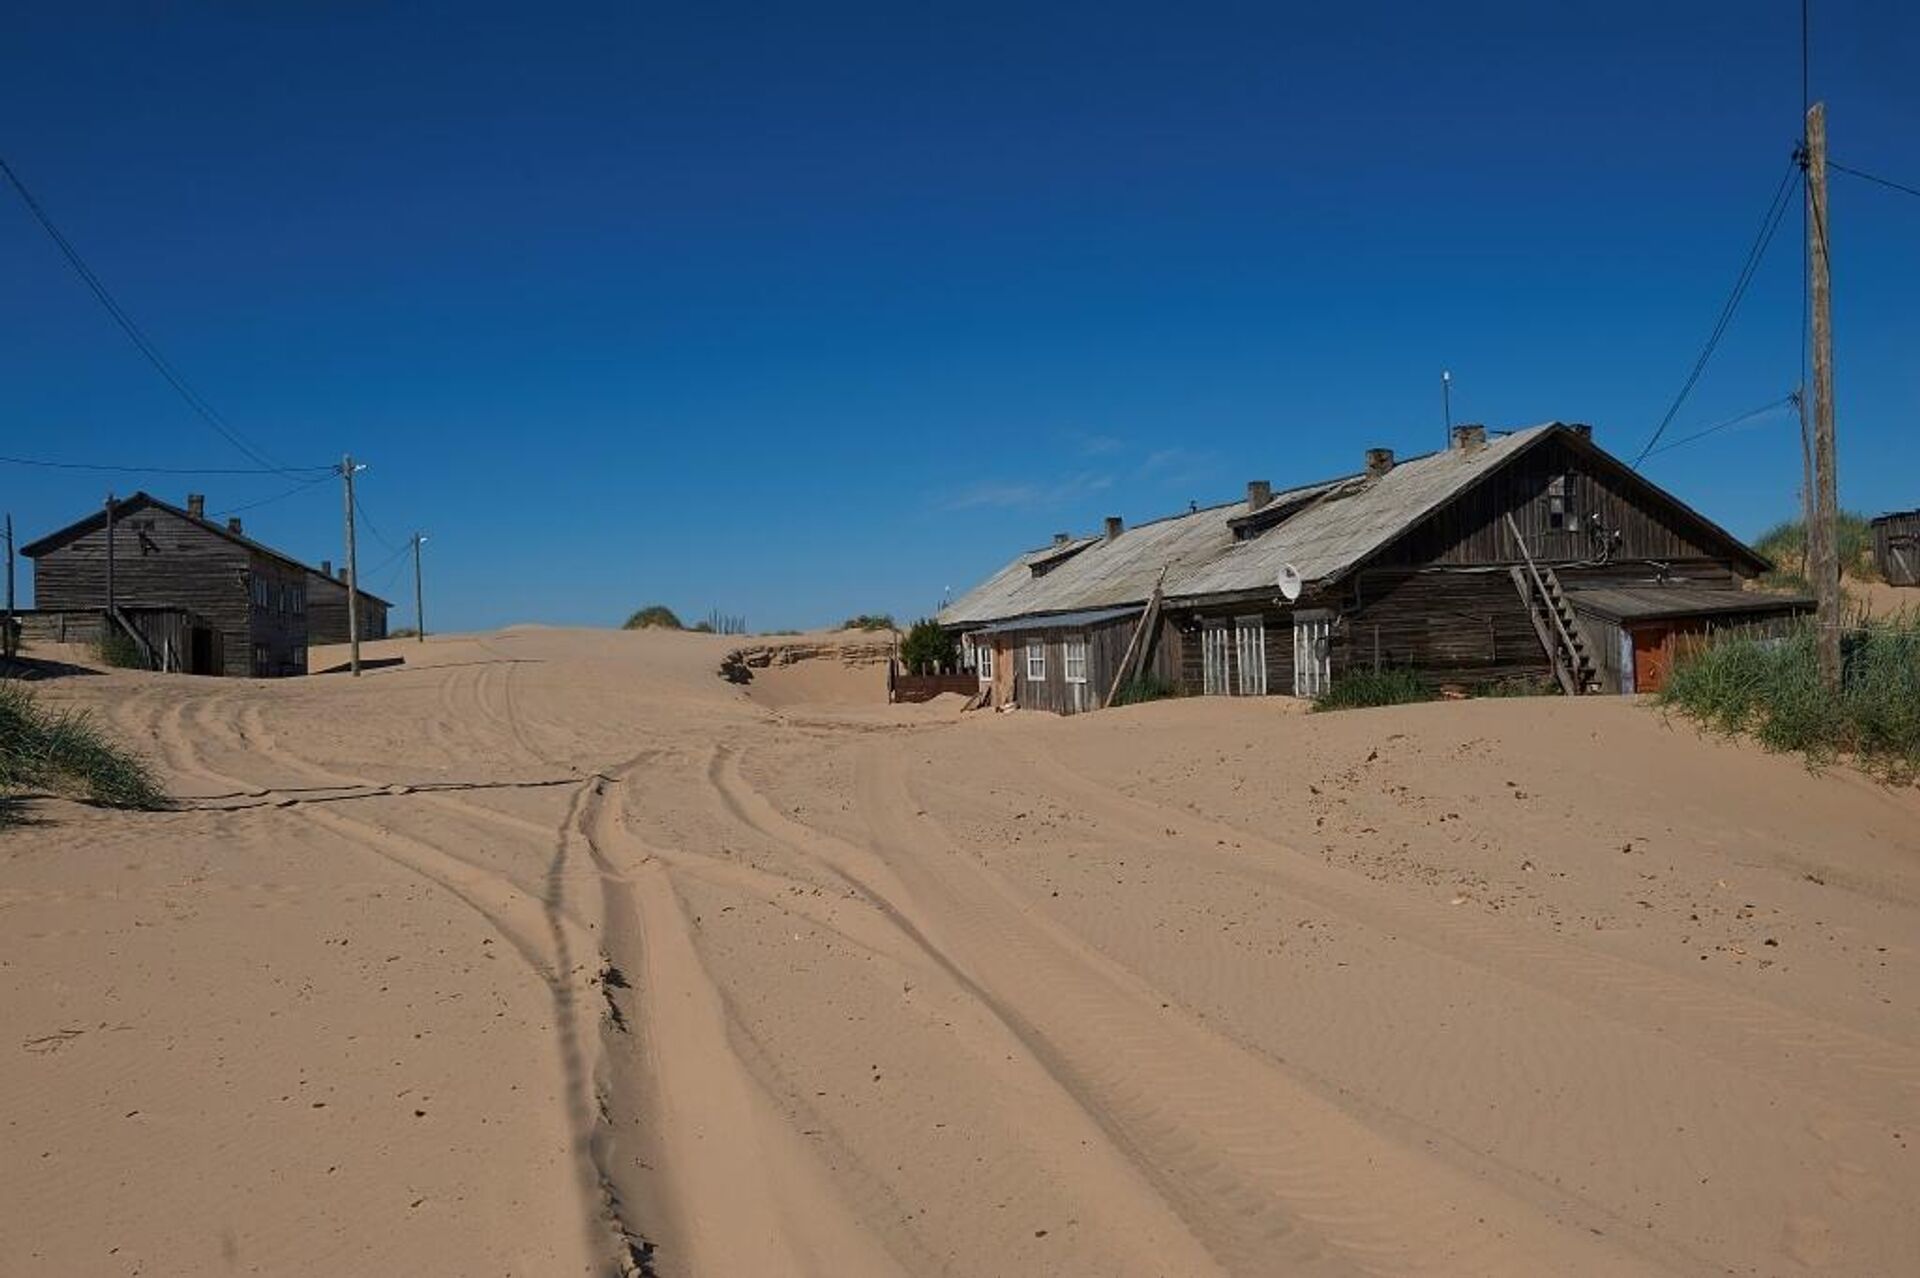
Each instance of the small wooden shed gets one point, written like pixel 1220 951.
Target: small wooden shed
pixel 1896 547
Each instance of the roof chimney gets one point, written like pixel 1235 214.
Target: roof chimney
pixel 1259 493
pixel 197 505
pixel 1115 526
pixel 1581 429
pixel 1470 438
pixel 326 567
pixel 1061 539
pixel 233 524
pixel 343 572
pixel 1379 461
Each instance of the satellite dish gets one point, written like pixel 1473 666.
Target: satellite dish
pixel 1289 582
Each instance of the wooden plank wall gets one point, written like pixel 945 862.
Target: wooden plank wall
pixel 1896 549
pixel 1472 530
pixel 327 612
pixel 1106 645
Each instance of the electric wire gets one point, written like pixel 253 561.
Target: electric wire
pixel 1719 426
pixel 300 487
pixel 1776 209
pixel 140 340
pixel 371 526
pixel 50 464
pixel 1889 183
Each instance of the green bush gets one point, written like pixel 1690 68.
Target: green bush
pixel 1786 545
pixel 869 621
pixel 117 648
pixel 1142 688
pixel 66 752
pixel 1357 689
pixel 928 649
pixel 653 617
pixel 1522 686
pixel 1770 688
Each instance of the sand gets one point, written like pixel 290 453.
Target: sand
pixel 549 952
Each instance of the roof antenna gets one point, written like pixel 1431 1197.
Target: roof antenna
pixel 1446 407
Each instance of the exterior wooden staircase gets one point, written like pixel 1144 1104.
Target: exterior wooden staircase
pixel 1554 622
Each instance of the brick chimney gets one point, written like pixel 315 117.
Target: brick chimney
pixel 1115 526
pixel 343 572
pixel 1061 539
pixel 233 524
pixel 197 505
pixel 1470 438
pixel 1379 461
pixel 1259 493
pixel 326 567
pixel 1581 429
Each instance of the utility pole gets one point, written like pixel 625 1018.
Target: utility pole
pixel 353 571
pixel 1823 535
pixel 1446 408
pixel 110 601
pixel 6 636
pixel 419 609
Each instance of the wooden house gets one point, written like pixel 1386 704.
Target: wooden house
pixel 196 595
pixel 327 609
pixel 1530 555
pixel 1896 547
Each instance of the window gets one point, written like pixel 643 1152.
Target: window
pixel 1559 504
pixel 1250 654
pixel 1036 661
pixel 260 670
pixel 300 660
pixel 1073 659
pixel 983 659
pixel 1213 658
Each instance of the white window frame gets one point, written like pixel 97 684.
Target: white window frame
pixel 1312 652
pixel 1036 661
pixel 983 659
pixel 1073 654
pixel 1250 654
pixel 1215 644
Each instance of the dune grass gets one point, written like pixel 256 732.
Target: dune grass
pixel 1358 689
pixel 1786 545
pixel 67 753
pixel 1770 689
pixel 1143 688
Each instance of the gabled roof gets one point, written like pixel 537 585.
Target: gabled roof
pixel 335 581
pixel 138 501
pixel 1324 531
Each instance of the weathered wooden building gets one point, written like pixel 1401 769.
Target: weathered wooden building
pixel 1896 547
pixel 327 608
pixel 1530 555
pixel 230 604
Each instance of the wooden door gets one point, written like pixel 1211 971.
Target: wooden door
pixel 1652 656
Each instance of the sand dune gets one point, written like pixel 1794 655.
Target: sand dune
pixel 549 952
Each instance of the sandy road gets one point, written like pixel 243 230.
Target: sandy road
pixel 706 986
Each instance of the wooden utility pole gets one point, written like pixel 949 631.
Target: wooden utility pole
pixel 110 599
pixel 6 636
pixel 1822 536
pixel 419 608
pixel 353 571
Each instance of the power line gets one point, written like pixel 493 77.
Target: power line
pixel 300 487
pixel 1776 209
pixel 134 334
pixel 1749 415
pixel 49 464
pixel 378 536
pixel 1889 183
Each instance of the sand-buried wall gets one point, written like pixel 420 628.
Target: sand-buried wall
pixel 818 669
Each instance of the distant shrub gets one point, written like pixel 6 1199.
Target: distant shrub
pixel 653 617
pixel 928 649
pixel 701 628
pixel 66 752
pixel 1522 686
pixel 1143 688
pixel 403 632
pixel 1357 689
pixel 1770 687
pixel 869 621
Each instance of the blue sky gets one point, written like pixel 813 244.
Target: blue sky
pixel 810 311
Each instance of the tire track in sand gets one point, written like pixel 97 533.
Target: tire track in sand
pixel 1770 1041
pixel 1268 1175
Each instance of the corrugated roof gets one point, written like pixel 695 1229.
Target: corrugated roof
pixel 1062 620
pixel 1344 522
pixel 1651 602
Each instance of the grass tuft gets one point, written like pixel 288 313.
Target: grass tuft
pixel 1358 689
pixel 1143 688
pixel 1770 688
pixel 66 752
